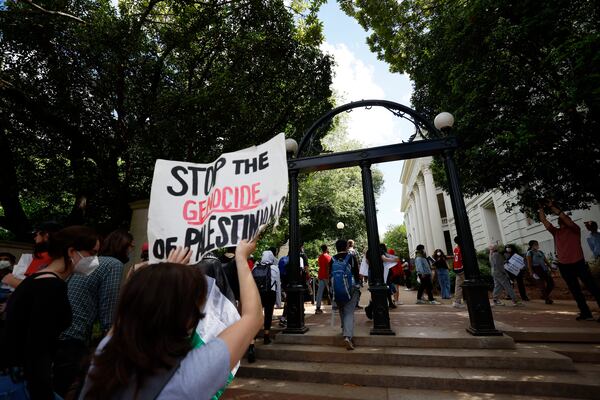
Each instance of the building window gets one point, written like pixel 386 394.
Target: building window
pixel 448 242
pixel 442 206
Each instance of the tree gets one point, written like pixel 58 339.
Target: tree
pixel 395 238
pixel 86 108
pixel 521 79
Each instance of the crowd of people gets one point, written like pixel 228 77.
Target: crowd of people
pixel 76 324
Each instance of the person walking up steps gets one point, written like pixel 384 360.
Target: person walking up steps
pixel 343 268
pixel 539 267
pixel 457 266
pixel 324 260
pixel 501 281
pixel 571 263
pixel 424 273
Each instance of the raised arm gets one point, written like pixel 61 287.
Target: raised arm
pixel 545 221
pixel 564 217
pixel 238 336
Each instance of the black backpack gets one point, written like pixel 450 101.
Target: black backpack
pixel 262 276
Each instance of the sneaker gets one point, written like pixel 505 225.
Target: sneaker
pixel 419 301
pixel 549 301
pixel 399 303
pixel 282 322
pixel 251 354
pixel 407 289
pixel 456 304
pixel 517 303
pixel 584 317
pixel 318 311
pixel 358 307
pixel 435 302
pixel 266 339
pixel 348 343
pixel 498 303
pixel 392 305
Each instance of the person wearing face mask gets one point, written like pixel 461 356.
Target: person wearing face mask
pixel 38 311
pixel 93 297
pixel 511 251
pixel 441 266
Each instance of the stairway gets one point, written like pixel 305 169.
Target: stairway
pixel 449 364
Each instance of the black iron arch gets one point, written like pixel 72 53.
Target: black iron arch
pixel 399 110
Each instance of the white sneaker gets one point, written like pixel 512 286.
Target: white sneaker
pixel 420 302
pixel 497 303
pixel 434 302
pixel 457 305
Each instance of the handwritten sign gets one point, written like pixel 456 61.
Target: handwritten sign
pixel 210 206
pixel 514 264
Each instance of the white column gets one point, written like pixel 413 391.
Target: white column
pixel 420 225
pixel 434 211
pixel 426 220
pixel 414 222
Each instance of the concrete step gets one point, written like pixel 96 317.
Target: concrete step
pixel 415 337
pixel 576 384
pixel 525 358
pixel 250 389
pixel 588 333
pixel 578 352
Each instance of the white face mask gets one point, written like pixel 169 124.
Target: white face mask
pixel 439 254
pixel 86 265
pixel 4 264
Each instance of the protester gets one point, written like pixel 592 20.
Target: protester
pixel 441 266
pixel 40 258
pixel 385 258
pixel 271 294
pixel 571 262
pixel 395 278
pixel 153 350
pixel 93 298
pixel 407 274
pixel 343 269
pixel 501 281
pixel 511 251
pixel 39 310
pixel 594 239
pixel 424 274
pixel 323 275
pixel 458 268
pixel 539 268
pixel 351 248
pixel 144 254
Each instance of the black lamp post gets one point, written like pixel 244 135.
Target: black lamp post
pixel 295 289
pixel 475 290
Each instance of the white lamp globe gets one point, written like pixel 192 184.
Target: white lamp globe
pixel 340 225
pixel 443 120
pixel 291 146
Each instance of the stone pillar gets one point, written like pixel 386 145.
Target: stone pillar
pixel 422 237
pixel 426 220
pixel 434 212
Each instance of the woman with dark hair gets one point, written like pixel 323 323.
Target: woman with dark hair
pixel 153 351
pixel 441 267
pixel 93 298
pixel 38 311
pixel 424 274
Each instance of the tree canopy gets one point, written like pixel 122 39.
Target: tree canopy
pixel 86 108
pixel 521 78
pixel 395 238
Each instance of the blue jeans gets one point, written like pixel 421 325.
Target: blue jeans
pixel 444 281
pixel 322 285
pixel 347 313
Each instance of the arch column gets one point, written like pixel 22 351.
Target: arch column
pixel 420 225
pixel 426 220
pixel 434 211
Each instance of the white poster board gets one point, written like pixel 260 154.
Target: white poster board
pixel 514 264
pixel 210 206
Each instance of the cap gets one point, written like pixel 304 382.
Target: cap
pixel 391 251
pixel 145 247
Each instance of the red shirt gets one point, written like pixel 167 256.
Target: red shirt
pixel 250 264
pixel 458 263
pixel 324 260
pixel 568 243
pixel 38 263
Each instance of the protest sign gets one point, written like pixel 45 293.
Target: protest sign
pixel 215 205
pixel 514 264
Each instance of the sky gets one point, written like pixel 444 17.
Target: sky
pixel 360 75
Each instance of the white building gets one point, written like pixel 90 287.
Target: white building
pixel 430 221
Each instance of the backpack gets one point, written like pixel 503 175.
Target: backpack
pixel 342 279
pixel 262 276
